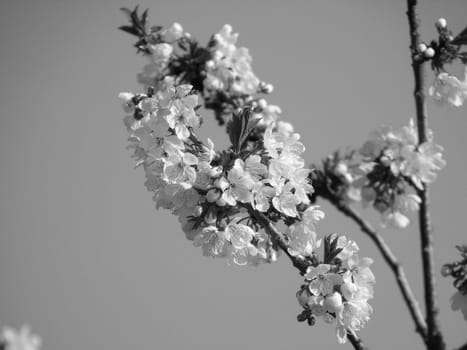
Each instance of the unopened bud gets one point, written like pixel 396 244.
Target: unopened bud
pixel 441 23
pixel 262 103
pixel 422 47
pixel 341 168
pixel 197 211
pixel 216 171
pixel 385 160
pixel 429 52
pixel 213 195
pixel 268 88
pixel 302 297
pixel 211 217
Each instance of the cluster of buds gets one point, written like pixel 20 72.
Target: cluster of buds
pixel 386 173
pixel 338 289
pixel 458 271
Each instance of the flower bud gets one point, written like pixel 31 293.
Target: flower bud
pixel 333 302
pixel 268 88
pixel 422 47
pixel 211 217
pixel 385 160
pixel 302 297
pixel 197 211
pixel 210 64
pixel 441 23
pixel 173 33
pixel 262 103
pixel 216 171
pixel 213 195
pixel 429 52
pixel 341 168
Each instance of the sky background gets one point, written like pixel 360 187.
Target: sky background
pixel 84 257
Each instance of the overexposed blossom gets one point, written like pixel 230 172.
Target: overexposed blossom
pixel 22 339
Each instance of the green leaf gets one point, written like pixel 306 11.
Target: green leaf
pixel 131 30
pixel 461 38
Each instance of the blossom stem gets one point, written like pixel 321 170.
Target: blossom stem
pixel 297 261
pixel 434 338
pixel 391 260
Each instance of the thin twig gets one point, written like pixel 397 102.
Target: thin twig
pixel 434 336
pixel 300 263
pixel 391 260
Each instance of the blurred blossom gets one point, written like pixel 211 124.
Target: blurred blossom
pixel 22 339
pixel 449 89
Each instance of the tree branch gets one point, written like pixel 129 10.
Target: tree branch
pixel 391 260
pixel 434 336
pixel 356 342
pixel 299 262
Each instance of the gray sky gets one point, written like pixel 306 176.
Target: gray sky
pixel 85 258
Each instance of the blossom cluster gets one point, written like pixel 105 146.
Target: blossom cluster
pixel 212 192
pixel 338 289
pixel 386 172
pixel 446 88
pixel 23 339
pixel 458 271
pixel 220 71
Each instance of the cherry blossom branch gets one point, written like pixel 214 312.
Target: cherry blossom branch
pixel 391 260
pixel 434 335
pixel 297 261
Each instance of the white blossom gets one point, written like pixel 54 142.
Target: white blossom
pixel 449 89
